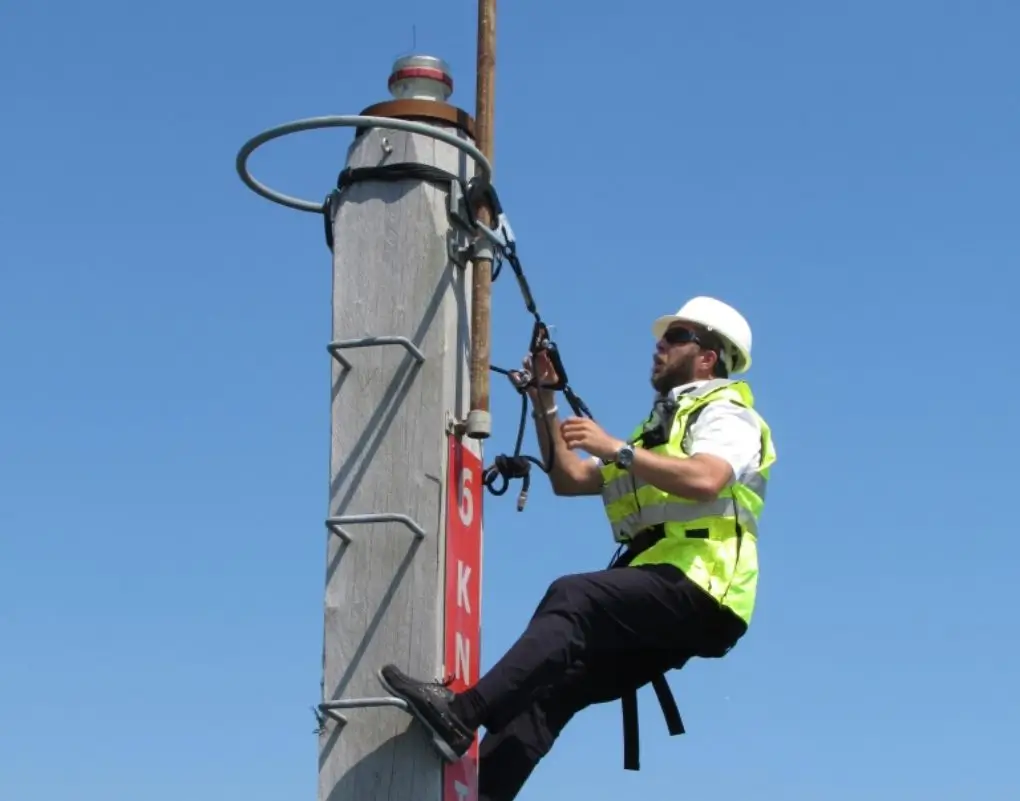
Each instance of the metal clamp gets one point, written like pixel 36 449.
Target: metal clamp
pixel 368 342
pixel 503 238
pixel 458 211
pixel 334 523
pixel 349 121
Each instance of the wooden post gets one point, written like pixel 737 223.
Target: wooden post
pixel 479 424
pixel 404 589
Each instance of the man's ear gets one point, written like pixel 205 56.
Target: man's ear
pixel 709 357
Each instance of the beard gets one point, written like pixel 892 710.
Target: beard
pixel 671 375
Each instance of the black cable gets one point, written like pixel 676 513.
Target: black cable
pixel 517 465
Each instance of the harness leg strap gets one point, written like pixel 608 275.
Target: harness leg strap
pixel 631 745
pixel 674 723
pixel 631 734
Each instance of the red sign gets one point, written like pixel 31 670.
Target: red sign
pixel 462 620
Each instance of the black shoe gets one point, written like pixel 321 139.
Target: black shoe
pixel 429 702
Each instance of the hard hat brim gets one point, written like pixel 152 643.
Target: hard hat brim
pixel 662 323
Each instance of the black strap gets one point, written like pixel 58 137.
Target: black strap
pixel 631 735
pixel 628 701
pixel 674 723
pixel 400 171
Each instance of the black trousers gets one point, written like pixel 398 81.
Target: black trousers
pixel 593 637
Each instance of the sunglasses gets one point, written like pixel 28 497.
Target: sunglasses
pixel 678 336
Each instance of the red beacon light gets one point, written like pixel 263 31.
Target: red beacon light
pixel 421 78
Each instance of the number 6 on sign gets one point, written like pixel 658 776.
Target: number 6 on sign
pixel 467 501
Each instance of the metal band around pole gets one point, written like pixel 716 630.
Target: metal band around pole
pixel 346 121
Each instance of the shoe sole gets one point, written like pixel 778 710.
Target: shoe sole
pixel 438 742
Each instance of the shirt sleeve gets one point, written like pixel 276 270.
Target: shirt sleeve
pixel 730 432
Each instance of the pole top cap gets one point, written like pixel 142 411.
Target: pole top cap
pixel 421 77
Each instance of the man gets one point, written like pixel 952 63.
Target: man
pixel 684 494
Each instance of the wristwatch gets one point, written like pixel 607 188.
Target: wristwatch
pixel 625 457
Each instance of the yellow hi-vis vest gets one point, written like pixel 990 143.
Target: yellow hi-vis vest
pixel 714 543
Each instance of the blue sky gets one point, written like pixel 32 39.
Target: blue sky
pixel 846 174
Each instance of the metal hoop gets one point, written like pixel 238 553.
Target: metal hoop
pixel 343 121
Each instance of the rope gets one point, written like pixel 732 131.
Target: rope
pixel 508 467
pixel 505 467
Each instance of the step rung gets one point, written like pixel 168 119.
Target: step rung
pixel 335 524
pixel 330 708
pixel 370 342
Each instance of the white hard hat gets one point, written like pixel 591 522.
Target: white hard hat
pixel 723 320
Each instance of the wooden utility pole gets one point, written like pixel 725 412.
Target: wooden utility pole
pixel 479 421
pixel 403 586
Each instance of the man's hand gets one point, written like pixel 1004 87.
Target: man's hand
pixel 700 477
pixel 544 374
pixel 585 434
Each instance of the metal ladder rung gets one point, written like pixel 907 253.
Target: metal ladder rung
pixel 329 708
pixel 334 523
pixel 369 342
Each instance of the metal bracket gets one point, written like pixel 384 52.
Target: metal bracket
pixel 334 523
pixel 367 342
pixel 458 246
pixel 454 425
pixel 460 239
pixel 458 209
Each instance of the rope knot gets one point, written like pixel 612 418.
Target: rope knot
pixel 509 468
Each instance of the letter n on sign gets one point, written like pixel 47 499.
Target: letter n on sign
pixel 462 619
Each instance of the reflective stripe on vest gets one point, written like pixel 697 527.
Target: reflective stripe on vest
pixel 713 542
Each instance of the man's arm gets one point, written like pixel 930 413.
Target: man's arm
pixel 570 475
pixel 725 443
pixel 701 477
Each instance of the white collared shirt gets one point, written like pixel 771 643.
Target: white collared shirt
pixel 723 429
pixel 726 430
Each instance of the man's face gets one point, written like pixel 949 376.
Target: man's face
pixel 675 360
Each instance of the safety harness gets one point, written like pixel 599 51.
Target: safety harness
pixel 628 701
pixel 464 199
